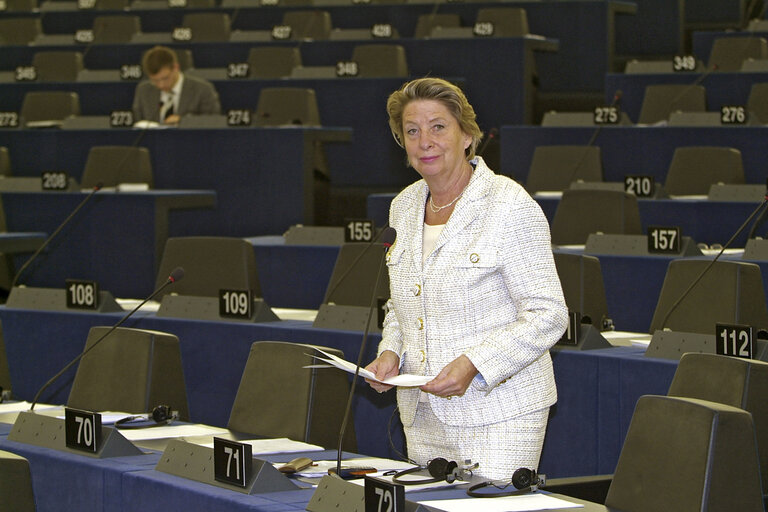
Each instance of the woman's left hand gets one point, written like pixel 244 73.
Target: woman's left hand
pixel 454 379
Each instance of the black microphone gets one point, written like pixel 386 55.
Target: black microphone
pixel 56 232
pixel 176 275
pixel 378 237
pixel 491 135
pixel 387 236
pixel 706 269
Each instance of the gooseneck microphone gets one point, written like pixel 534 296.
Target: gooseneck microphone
pixel 711 264
pixel 387 237
pixel 176 275
pixel 53 235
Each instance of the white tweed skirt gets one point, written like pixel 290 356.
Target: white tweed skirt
pixel 499 448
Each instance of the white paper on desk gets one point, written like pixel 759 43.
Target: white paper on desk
pixel 170 431
pixel 276 445
pixel 505 504
pixel 404 380
pixel 320 467
pixel 23 406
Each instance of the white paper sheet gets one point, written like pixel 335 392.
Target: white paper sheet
pixel 404 380
pixel 276 445
pixel 23 406
pixel 506 504
pixel 169 431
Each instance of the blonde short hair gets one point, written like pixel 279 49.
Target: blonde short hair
pixel 440 90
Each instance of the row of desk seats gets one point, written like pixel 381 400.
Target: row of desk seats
pixel 692 171
pixel 264 62
pixel 675 105
pixel 297 25
pixel 276 106
pixel 728 54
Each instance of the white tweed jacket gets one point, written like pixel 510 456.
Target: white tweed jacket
pixel 489 290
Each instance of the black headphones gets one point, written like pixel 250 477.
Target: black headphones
pixel 439 469
pixel 524 480
pixel 162 415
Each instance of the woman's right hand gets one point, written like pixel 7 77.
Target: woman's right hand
pixel 385 366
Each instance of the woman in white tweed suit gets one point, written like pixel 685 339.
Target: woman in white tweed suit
pixel 475 297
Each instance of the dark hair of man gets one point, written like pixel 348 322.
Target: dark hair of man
pixel 158 58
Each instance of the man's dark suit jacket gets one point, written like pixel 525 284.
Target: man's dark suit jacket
pixel 198 96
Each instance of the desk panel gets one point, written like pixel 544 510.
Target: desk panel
pixel 263 177
pixel 597 389
pixel 116 239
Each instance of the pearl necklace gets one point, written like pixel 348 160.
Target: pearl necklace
pixel 436 209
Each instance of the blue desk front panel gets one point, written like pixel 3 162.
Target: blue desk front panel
pixel 262 176
pixel 597 389
pixel 64 481
pixel 116 239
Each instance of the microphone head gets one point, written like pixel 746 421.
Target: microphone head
pixel 617 95
pixel 388 235
pixel 176 275
pixel 99 185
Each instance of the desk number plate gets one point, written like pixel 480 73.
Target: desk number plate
pixel 82 430
pixel 664 239
pixel 735 340
pixel 383 496
pixel 232 461
pixel 82 294
pixel 235 303
pixel 358 230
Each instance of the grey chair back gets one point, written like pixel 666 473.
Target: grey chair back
pixel 695 168
pixel 582 212
pixel 113 165
pixel 279 397
pixel 554 168
pixel 731 292
pixel 134 371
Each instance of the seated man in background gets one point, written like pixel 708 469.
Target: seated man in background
pixel 169 94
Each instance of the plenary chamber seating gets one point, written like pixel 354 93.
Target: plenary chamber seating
pixel 660 101
pixel 279 396
pixel 695 169
pixel 733 381
pixel 554 168
pixel 58 66
pixel 211 264
pixel 15 484
pixel 729 53
pixel 731 292
pixel 44 109
pixel 131 370
pixel 273 61
pixel 111 166
pixel 582 212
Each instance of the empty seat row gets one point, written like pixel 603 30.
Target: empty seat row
pixel 296 25
pixel 663 103
pixel 692 171
pixel 264 62
pixel 728 54
pixel 276 106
